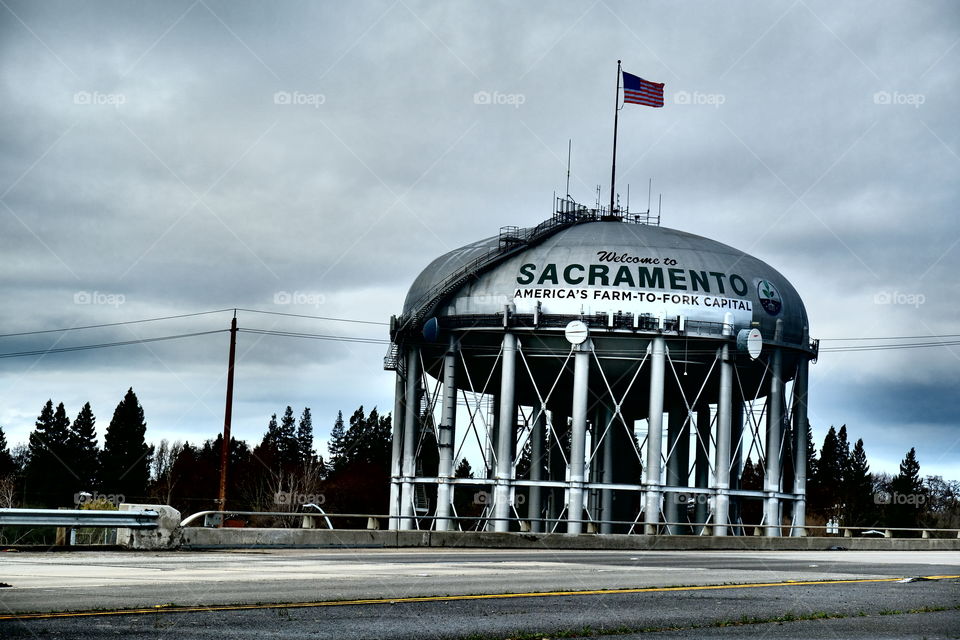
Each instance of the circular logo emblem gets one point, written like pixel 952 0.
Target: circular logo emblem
pixel 576 332
pixel 770 298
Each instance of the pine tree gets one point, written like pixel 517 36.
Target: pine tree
pixel 335 445
pixel 858 489
pixel 50 479
pixel 272 436
pixel 811 454
pixel 379 439
pixel 353 439
pixel 827 498
pixel 367 440
pixel 82 445
pixel 360 456
pixel 907 494
pixel 288 447
pixel 267 452
pixel 305 437
pixel 751 511
pixel 464 470
pixel 125 461
pixel 7 465
pixel 843 451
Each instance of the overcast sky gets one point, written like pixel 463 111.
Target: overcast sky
pixel 169 157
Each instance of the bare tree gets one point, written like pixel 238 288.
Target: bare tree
pixel 8 491
pixel 161 470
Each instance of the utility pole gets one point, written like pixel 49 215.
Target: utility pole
pixel 227 416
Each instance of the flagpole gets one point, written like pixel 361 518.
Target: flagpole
pixel 613 169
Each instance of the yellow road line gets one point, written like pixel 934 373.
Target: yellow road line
pixel 487 596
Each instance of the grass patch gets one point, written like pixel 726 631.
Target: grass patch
pixel 739 622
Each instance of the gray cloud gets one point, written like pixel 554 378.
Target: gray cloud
pixel 199 156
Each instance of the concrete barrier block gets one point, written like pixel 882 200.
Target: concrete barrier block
pixel 163 537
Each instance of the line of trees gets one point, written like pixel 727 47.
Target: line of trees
pixel 841 489
pixel 62 465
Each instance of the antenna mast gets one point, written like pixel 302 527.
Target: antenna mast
pixel 613 167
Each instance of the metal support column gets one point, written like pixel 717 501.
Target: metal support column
pixel 702 471
pixel 559 434
pixel 448 421
pixel 775 405
pixel 721 473
pixel 506 427
pixel 800 442
pixel 607 469
pixel 678 445
pixel 654 434
pixel 396 453
pixel 578 443
pixel 411 403
pixel 736 460
pixel 538 461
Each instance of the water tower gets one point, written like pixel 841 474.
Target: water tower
pixel 605 374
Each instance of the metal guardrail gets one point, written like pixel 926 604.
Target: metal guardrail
pixel 147 519
pixel 210 519
pixel 216 518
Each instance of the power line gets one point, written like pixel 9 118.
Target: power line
pixel 187 315
pixel 86 347
pixel 112 324
pixel 315 336
pixel 887 347
pixel 300 315
pixel 948 335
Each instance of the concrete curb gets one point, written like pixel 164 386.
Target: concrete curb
pixel 228 538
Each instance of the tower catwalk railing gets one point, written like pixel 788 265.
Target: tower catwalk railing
pixel 512 240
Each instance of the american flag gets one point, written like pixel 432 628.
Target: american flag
pixel 636 90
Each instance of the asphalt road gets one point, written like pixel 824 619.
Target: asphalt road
pixel 865 600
